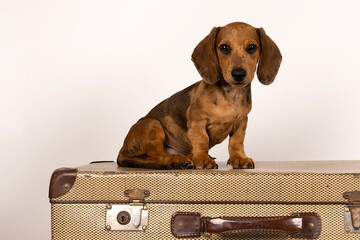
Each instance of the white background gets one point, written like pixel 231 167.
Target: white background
pixel 75 75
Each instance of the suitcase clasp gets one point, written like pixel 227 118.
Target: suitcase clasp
pixel 352 212
pixel 129 217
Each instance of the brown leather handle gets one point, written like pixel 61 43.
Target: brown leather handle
pixel 298 225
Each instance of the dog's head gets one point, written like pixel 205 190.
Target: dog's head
pixel 232 53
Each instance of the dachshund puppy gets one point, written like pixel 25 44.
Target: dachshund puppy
pixel 178 132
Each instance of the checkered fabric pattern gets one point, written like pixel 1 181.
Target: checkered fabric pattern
pixel 87 221
pixel 81 213
pixel 211 185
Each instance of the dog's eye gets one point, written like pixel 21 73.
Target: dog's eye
pixel 251 48
pixel 225 49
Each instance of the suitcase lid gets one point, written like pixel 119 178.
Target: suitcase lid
pixel 315 182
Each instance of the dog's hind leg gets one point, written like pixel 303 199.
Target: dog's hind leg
pixel 144 148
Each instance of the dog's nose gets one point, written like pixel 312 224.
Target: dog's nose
pixel 238 74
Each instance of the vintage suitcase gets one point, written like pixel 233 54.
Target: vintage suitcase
pixel 277 200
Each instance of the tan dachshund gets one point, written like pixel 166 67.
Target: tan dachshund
pixel 178 132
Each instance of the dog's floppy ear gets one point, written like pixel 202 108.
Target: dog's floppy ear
pixel 270 59
pixel 205 58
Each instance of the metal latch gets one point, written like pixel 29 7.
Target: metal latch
pixel 352 212
pixel 129 217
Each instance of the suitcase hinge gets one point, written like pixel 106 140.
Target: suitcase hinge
pixel 352 212
pixel 136 195
pixel 129 217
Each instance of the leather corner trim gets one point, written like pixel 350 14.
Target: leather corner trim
pixel 62 180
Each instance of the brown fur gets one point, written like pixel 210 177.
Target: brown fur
pixel 178 132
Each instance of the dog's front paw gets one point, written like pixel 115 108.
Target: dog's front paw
pixel 183 162
pixel 241 162
pixel 205 162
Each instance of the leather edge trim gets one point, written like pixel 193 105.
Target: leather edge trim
pixel 96 162
pixel 201 202
pixel 62 180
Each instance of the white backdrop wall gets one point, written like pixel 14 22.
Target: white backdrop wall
pixel 75 75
